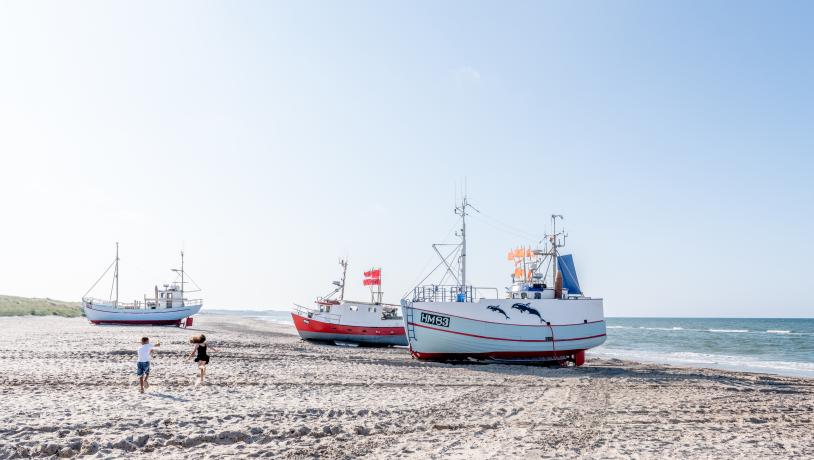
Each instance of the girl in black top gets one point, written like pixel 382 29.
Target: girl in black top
pixel 201 355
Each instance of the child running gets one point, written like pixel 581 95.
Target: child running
pixel 202 357
pixel 143 366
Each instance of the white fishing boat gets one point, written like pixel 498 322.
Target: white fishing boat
pixel 336 320
pixel 167 306
pixel 534 321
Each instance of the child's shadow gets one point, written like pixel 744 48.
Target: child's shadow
pixel 170 397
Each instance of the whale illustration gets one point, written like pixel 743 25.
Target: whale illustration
pixel 524 308
pixel 497 309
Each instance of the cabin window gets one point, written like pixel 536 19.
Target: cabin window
pixel 537 295
pixel 162 295
pixel 523 295
pixel 353 308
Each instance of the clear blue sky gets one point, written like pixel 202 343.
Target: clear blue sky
pixel 270 138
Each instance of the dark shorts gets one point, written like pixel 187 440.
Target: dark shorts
pixel 143 368
pixel 202 360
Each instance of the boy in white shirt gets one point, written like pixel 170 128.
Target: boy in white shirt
pixel 143 366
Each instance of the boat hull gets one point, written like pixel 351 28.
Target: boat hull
pixel 107 314
pixel 323 331
pixel 557 330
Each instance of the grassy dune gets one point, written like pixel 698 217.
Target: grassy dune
pixel 22 306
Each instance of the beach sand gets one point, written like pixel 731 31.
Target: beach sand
pixel 68 388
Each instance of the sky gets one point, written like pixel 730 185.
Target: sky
pixel 267 139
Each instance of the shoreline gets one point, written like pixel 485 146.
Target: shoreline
pixel 71 391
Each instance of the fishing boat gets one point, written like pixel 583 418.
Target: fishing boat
pixel 167 306
pixel 336 320
pixel 533 321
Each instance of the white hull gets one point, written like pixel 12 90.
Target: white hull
pixel 98 313
pixel 452 330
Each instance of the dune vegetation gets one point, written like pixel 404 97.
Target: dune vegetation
pixel 24 306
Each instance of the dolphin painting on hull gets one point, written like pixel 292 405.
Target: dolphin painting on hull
pixel 496 308
pixel 524 308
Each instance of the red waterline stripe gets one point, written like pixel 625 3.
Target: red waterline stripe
pixel 501 338
pixel 157 322
pixel 507 324
pixel 129 311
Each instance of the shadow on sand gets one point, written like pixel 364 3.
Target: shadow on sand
pixel 170 397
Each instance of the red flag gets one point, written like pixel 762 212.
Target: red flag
pixel 373 282
pixel 374 273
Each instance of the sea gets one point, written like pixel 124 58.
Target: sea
pixel 783 346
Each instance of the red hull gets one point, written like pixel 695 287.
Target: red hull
pixel 310 328
pixel 578 356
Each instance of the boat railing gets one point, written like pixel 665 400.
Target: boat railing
pixel 451 293
pixel 311 312
pixel 442 293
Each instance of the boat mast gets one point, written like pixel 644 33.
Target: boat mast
pixel 379 288
pixel 344 264
pixel 182 275
pixel 116 274
pixel 461 210
pixel 554 246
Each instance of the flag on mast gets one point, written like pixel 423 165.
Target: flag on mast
pixel 373 277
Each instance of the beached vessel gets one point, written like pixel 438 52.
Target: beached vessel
pixel 334 319
pixel 168 306
pixel 535 321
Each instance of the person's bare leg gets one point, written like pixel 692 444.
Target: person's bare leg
pixel 146 383
pixel 141 382
pixel 203 373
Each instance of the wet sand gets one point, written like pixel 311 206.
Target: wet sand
pixel 69 389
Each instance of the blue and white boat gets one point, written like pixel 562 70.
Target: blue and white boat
pixel 533 321
pixel 168 306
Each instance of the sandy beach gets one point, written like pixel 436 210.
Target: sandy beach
pixel 69 389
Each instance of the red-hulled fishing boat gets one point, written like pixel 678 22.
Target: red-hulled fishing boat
pixel 333 319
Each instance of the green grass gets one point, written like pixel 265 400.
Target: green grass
pixel 24 306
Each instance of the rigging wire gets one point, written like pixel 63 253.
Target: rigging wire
pixel 193 282
pixel 429 259
pixel 443 261
pixel 100 278
pixel 494 221
pixel 506 230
